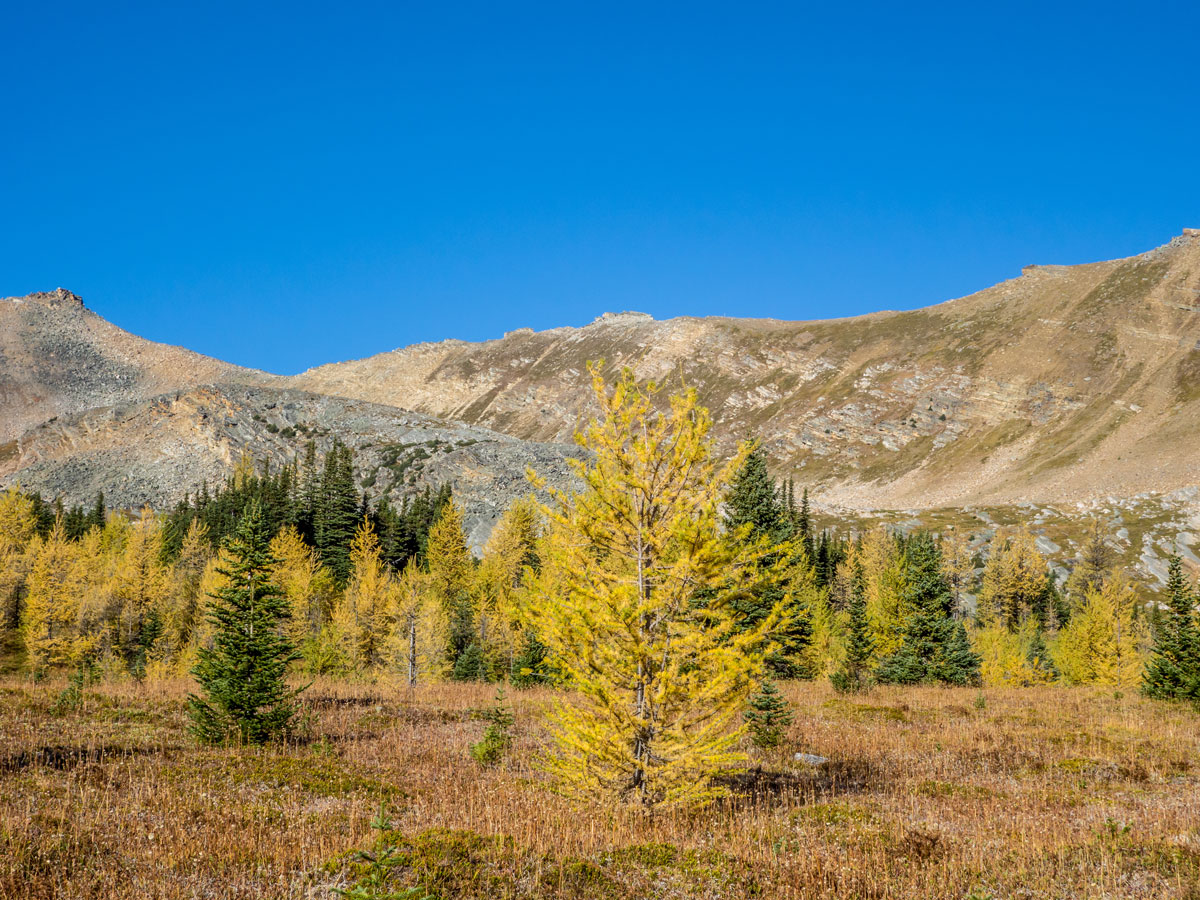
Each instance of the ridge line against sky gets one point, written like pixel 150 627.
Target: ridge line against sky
pixel 287 186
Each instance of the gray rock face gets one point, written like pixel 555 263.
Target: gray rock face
pixel 154 451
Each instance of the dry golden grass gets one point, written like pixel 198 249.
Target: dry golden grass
pixel 1040 793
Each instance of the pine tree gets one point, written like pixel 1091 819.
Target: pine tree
pixel 658 678
pixel 854 674
pixel 768 716
pixel 934 647
pixel 1173 671
pixel 243 675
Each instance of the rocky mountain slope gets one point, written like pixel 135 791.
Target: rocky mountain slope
pixel 58 357
pixel 1064 383
pixel 85 406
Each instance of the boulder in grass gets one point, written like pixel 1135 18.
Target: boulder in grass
pixel 810 759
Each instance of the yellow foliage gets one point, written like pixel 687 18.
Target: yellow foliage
pixel 660 681
pixel 54 591
pixel 307 585
pixel 17 528
pixel 1005 656
pixel 1014 577
pixel 364 615
pixel 883 582
pixel 1101 644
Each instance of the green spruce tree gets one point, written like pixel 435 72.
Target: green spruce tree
pixel 1173 671
pixel 768 716
pixel 242 675
pixel 935 647
pixel 854 674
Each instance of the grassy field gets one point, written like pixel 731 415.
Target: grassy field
pixel 941 793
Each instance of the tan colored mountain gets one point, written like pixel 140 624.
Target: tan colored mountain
pixel 57 358
pixel 1067 383
pixel 1064 383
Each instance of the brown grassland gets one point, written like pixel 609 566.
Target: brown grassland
pixel 929 792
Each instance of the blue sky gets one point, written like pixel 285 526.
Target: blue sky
pixel 282 186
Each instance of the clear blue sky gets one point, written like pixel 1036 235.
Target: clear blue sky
pixel 285 186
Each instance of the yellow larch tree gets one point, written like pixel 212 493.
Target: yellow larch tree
pixel 1102 644
pixel 418 640
pixel 54 591
pixel 633 604
pixel 184 599
pixel 510 550
pixel 140 587
pixel 883 584
pixel 958 564
pixel 1013 580
pixel 365 614
pixel 452 586
pixel 18 525
pixel 307 585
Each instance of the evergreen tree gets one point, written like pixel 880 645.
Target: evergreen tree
pixel 1173 671
pixel 98 514
pixel 804 525
pixel 753 500
pixel 854 675
pixel 768 716
pixel 243 674
pixel 934 647
pixel 755 513
pixel 337 515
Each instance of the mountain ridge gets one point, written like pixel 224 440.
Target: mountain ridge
pixel 1064 382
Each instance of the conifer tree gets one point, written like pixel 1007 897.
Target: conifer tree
pixel 306 585
pixel 1173 671
pixel 1101 644
pixel 934 647
pixel 18 526
pixel 365 614
pixel 754 514
pixel 854 674
pixel 140 587
pixel 452 583
pixel 1092 566
pixel 243 675
pixel 804 526
pixel 768 716
pixel 659 678
pixel 186 596
pixel 337 515
pixel 54 593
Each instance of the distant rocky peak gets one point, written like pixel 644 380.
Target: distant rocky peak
pixel 617 318
pixel 59 297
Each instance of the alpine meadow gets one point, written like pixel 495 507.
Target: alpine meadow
pixel 526 452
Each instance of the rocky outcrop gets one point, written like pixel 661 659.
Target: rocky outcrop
pixel 154 451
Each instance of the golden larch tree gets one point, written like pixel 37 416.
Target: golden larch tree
pixel 633 604
pixel 365 614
